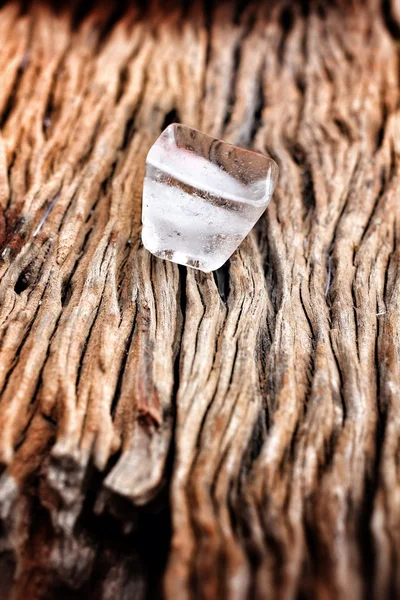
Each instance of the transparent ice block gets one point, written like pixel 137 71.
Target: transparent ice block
pixel 201 197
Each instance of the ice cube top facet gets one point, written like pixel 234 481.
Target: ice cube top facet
pixel 202 196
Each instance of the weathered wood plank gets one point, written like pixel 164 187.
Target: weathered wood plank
pixel 215 436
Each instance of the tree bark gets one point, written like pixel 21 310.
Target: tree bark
pixel 165 432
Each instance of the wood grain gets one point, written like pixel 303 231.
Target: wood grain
pixel 165 432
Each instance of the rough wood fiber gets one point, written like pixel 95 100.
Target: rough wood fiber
pixel 158 431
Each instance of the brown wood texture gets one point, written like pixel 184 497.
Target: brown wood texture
pixel 164 432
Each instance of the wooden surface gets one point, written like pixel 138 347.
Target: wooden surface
pixel 160 431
